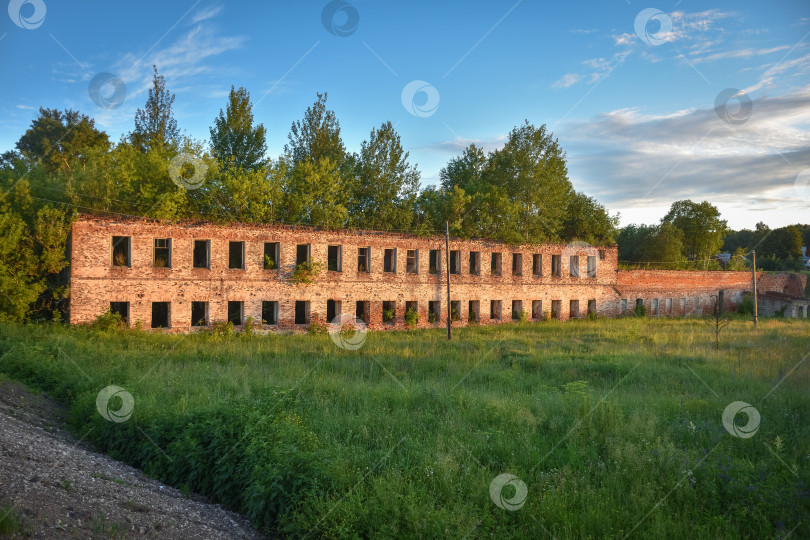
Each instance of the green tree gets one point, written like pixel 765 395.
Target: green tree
pixel 385 190
pixel 314 194
pixel 60 140
pixel 703 230
pixel 587 220
pixel 20 280
pixel 530 171
pixel 316 136
pixel 235 141
pixel 155 126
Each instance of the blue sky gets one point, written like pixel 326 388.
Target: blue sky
pixel 633 104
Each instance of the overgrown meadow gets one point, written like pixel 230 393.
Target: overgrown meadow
pixel 614 426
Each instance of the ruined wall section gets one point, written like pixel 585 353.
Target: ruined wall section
pixel 95 281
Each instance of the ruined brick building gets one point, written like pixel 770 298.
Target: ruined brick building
pixel 184 275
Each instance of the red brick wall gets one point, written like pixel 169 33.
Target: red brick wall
pixel 95 282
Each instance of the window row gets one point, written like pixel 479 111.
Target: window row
pixel 201 258
pixel 161 311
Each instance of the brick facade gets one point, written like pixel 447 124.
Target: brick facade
pixel 134 281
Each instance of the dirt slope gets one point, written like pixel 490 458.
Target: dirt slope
pixel 59 488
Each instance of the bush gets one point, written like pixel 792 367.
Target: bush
pixel 268 263
pixel 306 272
pixel 432 318
pixel 746 307
pixel 108 321
pixel 411 318
pixel 388 315
pixel 220 329
pixel 641 310
pixel 316 327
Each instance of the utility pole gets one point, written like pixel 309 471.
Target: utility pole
pixel 447 258
pixel 754 281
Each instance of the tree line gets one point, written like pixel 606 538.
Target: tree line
pixel 63 164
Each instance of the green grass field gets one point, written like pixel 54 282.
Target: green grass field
pixel 614 426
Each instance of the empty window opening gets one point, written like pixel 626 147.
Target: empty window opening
pixel 269 312
pixel 517 264
pixel 121 248
pixel 235 313
pixel 334 259
pixel 537 310
pixel 433 261
pixel 517 309
pixel 573 265
pixel 591 266
pixel 301 312
pixel 390 261
pixel 654 310
pixel 332 311
pixel 592 306
pixel 475 263
pixel 236 255
pixel 495 310
pixel 495 264
pixel 455 310
pixel 202 254
pixel 455 261
pixel 639 304
pixel 162 253
pixel 363 259
pixel 271 255
pixel 474 311
pixel 537 264
pixel 122 309
pixel 601 253
pixel 683 306
pixel 573 311
pixel 389 311
pixel 434 311
pixel 556 266
pixel 160 314
pixel 361 310
pixel 556 309
pixel 669 306
pixel 199 313
pixel 623 306
pixel 301 254
pixel 412 261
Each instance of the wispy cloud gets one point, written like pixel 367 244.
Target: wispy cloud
pixel 25 107
pixel 567 80
pixel 205 14
pixel 740 53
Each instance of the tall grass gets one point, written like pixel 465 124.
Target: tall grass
pixel 613 425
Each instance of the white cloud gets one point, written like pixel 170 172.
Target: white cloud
pixel 740 53
pixel 628 159
pixel 205 14
pixel 25 107
pixel 567 80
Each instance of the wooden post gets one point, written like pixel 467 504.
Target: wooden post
pixel 447 258
pixel 754 281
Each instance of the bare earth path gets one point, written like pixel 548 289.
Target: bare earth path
pixel 60 489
